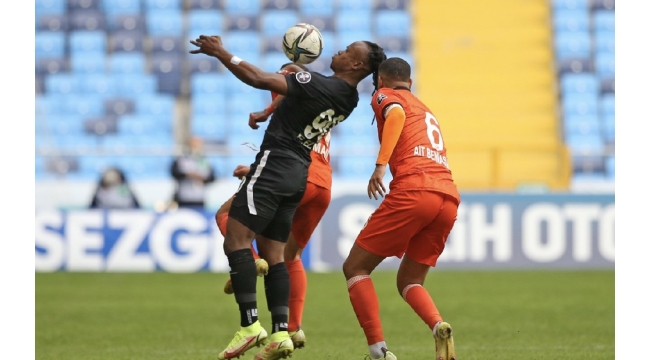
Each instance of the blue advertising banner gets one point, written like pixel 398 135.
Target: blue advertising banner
pixel 492 231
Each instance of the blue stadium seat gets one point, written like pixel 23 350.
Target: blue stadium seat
pixel 102 84
pixel 353 21
pixel 344 39
pixel 272 61
pixel 208 104
pixel 51 66
pixel 281 5
pixel 85 105
pixel 205 22
pixel 65 125
pixel 80 5
pixel 204 64
pixel 135 84
pixel 87 42
pixel 608 85
pixel 579 83
pixel 607 104
pixel 50 7
pixel 80 143
pixel 126 22
pixel 605 64
pixel 603 4
pixel 575 65
pixel 168 69
pixel 575 44
pixel 209 127
pixel 355 167
pixel 92 166
pixel 243 23
pixel 610 167
pixel 318 7
pixel 47 105
pixel 165 22
pixel 243 41
pixel 605 41
pixel 580 104
pixel 392 23
pixel 145 167
pixel 571 20
pixel 236 88
pixel 609 127
pixel 156 5
pixel 160 106
pixel 49 44
pixel 276 22
pixel 52 23
pixel 581 124
pixel 323 23
pixel 585 144
pixel 204 5
pixel 356 5
pixel 220 165
pixel 127 41
pixel 121 7
pixel 391 4
pixel 88 63
pixel 604 20
pixel 208 84
pixel 87 20
pixel 63 83
pixel 243 7
pixel 570 5
pixel 141 125
pixel 167 45
pixel 127 63
pixel 395 44
pixel 116 106
pixel 239 107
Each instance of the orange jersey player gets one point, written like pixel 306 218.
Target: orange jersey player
pixel 310 211
pixel 415 217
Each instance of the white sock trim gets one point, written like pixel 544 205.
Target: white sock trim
pixel 407 288
pixel 355 279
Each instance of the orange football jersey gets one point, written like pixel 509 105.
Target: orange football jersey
pixel 419 160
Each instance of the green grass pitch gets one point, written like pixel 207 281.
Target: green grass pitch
pixel 495 315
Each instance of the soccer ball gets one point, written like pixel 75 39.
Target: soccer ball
pixel 302 43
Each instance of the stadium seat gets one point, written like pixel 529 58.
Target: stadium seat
pixel 243 7
pixel 391 4
pixel 607 85
pixel 318 7
pixel 39 84
pixel 604 20
pixel 355 167
pixel 607 104
pixel 605 41
pixel 134 124
pixel 575 65
pixel 571 20
pixel 392 23
pixel 145 167
pixel 585 144
pixel 610 166
pixel 323 23
pixel 75 5
pixel 127 63
pixel 281 5
pixel 205 22
pixel 161 106
pixel 100 125
pixel 575 44
pixel 204 5
pixel 51 66
pixel 167 45
pixel 238 107
pixel 165 22
pixel 87 42
pixel 126 22
pixel 208 104
pixel 52 22
pixel 353 21
pixel 119 106
pixel 63 83
pixel 220 165
pixel 395 44
pixel 80 144
pixel 603 4
pixel 237 88
pixel 168 69
pixel 121 7
pixel 243 41
pixel 204 64
pixel 208 84
pixel 88 63
pixel 87 20
pixel 49 44
pixel 605 64
pixel 127 41
pixel 570 5
pixel 272 61
pixel 356 5
pixel 94 165
pixel 156 5
pixel 65 125
pixel 47 105
pixel 84 105
pixel 580 104
pixel 276 22
pixel 609 128
pixel 344 39
pixel 581 124
pixel 50 7
pixel 99 83
pixel 61 166
pixel 243 23
pixel 579 83
pixel 135 84
pixel 209 127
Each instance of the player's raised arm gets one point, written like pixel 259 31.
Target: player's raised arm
pixel 243 70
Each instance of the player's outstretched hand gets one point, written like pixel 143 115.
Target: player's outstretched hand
pixel 241 171
pixel 376 186
pixel 208 45
pixel 256 117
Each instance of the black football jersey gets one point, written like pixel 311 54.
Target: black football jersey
pixel 313 105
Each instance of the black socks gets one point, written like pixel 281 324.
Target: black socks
pixel 244 283
pixel 276 286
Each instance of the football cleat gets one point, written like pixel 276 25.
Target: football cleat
pixel 442 333
pixel 298 338
pixel 279 346
pixel 262 269
pixel 245 338
pixel 387 356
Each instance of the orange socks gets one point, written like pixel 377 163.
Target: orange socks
pixel 365 304
pixel 420 300
pixel 222 223
pixel 297 292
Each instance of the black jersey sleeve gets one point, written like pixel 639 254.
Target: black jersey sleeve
pixel 302 85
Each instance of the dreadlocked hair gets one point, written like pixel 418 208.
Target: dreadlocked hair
pixel 375 57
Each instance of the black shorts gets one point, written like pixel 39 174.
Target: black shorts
pixel 269 195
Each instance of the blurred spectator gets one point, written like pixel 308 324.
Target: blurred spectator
pixel 192 173
pixel 113 192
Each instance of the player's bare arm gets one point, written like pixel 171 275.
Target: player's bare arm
pixel 241 171
pixel 244 71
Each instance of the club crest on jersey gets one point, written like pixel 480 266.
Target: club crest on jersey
pixel 381 97
pixel 303 77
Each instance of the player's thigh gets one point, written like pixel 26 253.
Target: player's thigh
pixel 389 229
pixel 428 244
pixel 310 211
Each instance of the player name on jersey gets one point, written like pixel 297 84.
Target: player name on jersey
pixel 434 155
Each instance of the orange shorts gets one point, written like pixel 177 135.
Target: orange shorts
pixel 222 222
pixel 413 222
pixel 310 211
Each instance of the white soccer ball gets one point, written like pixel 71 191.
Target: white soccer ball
pixel 302 43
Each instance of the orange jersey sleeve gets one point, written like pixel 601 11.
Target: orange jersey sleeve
pixel 320 170
pixel 419 159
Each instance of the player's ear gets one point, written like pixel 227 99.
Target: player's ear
pixel 410 83
pixel 380 82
